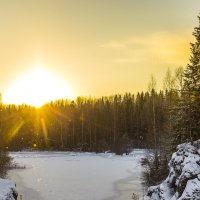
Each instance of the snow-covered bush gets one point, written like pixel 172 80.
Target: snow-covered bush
pixel 155 168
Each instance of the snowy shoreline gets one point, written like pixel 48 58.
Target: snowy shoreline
pixel 109 176
pixel 7 190
pixel 22 189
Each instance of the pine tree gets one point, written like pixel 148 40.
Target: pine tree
pixel 186 116
pixel 192 87
pixel 195 50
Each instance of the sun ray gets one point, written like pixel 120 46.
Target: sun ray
pixel 45 132
pixel 14 130
pixel 57 113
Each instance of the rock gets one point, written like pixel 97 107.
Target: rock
pixel 183 181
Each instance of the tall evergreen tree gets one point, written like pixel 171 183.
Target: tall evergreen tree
pixel 192 87
pixel 187 113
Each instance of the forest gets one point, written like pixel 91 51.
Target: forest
pixel 117 123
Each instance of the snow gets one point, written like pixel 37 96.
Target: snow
pixel 77 176
pixel 183 182
pixel 7 189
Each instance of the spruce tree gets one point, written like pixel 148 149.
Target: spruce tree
pixel 192 87
pixel 186 113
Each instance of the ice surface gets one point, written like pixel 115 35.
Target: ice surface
pixel 77 176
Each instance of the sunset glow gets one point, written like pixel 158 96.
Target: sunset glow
pixel 36 88
pixel 99 47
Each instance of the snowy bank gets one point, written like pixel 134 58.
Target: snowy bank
pixel 7 190
pixel 183 181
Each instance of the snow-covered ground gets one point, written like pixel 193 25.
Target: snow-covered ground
pixel 7 189
pixel 77 176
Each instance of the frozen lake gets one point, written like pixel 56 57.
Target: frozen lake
pixel 77 176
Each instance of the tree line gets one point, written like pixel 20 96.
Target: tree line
pixel 117 123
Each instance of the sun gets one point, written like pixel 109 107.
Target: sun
pixel 36 88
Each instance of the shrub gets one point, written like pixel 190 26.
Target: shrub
pixel 5 162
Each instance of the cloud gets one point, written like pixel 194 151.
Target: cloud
pixel 157 48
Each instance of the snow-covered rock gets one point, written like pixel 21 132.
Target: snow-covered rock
pixel 183 181
pixel 7 190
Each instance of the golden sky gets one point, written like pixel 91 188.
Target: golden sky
pixel 98 47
